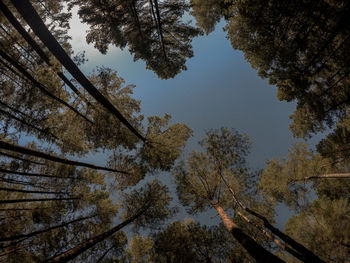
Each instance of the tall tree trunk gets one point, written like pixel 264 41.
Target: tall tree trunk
pixel 25 236
pixel 24 150
pixel 159 23
pixel 19 158
pixel 37 25
pixel 28 124
pixel 77 250
pixel 324 176
pixel 11 201
pixel 307 254
pixel 256 251
pixel 36 83
pixel 34 174
pixel 12 19
pixel 30 191
pixel 271 237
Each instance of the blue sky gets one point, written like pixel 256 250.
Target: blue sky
pixel 218 89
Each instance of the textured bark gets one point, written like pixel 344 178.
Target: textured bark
pixel 77 250
pixel 256 251
pixel 24 150
pixel 37 25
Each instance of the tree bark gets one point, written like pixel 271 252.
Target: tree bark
pixel 37 25
pixel 256 251
pixel 77 250
pixel 24 150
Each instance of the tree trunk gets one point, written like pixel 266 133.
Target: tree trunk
pixel 307 254
pixel 36 83
pixel 25 236
pixel 12 19
pixel 19 158
pixel 24 150
pixel 28 124
pixel 33 174
pixel 29 191
pixel 77 250
pixel 324 176
pixel 11 201
pixel 271 237
pixel 256 251
pixel 37 25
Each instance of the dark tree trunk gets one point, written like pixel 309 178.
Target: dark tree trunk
pixel 77 250
pixel 256 251
pixel 37 25
pixel 36 83
pixel 12 201
pixel 23 150
pixel 25 236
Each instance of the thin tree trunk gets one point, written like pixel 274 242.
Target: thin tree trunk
pixel 36 83
pixel 19 158
pixel 30 191
pixel 256 251
pixel 12 201
pixel 12 19
pixel 26 236
pixel 159 23
pixel 77 250
pixel 33 174
pixel 28 124
pixel 37 25
pixel 324 176
pixel 24 150
pixel 104 254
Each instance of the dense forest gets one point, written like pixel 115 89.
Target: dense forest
pixel 57 207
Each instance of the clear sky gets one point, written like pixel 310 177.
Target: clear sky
pixel 218 89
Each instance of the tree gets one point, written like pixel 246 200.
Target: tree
pixel 302 47
pixel 200 185
pixel 148 206
pixel 153 31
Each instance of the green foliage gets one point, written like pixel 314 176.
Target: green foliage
pixel 199 179
pixel 324 228
pixel 163 42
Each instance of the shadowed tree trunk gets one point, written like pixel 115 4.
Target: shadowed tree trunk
pixel 25 236
pixel 23 150
pixel 77 250
pixel 12 201
pixel 256 251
